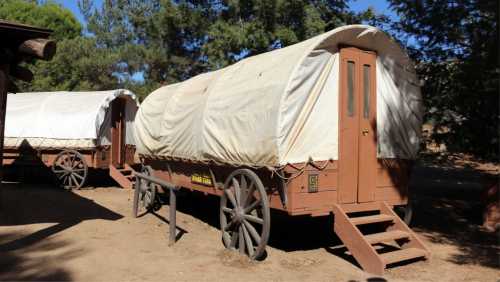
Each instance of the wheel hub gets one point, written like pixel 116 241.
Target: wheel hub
pixel 238 214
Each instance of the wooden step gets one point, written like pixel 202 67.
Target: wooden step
pixel 402 255
pixel 386 236
pixel 120 178
pixel 363 247
pixel 371 219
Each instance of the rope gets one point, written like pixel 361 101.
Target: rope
pixel 300 170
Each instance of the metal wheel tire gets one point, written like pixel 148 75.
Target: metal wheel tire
pixel 405 212
pixel 245 218
pixel 70 169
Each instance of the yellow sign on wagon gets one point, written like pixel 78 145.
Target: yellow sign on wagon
pixel 201 179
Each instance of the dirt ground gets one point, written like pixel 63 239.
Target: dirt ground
pixel 89 235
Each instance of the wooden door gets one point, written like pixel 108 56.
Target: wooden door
pixel 357 124
pixel 118 132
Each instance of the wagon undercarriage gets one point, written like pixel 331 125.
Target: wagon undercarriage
pixel 247 195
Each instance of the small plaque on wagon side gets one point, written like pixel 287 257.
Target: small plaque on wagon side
pixel 202 179
pixel 312 183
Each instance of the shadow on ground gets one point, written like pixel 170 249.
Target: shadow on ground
pixel 447 209
pixel 22 254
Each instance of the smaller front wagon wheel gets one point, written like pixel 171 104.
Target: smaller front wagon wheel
pixel 244 214
pixel 70 169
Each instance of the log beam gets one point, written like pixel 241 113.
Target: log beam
pixel 40 48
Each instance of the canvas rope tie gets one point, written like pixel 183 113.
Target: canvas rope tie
pixel 298 170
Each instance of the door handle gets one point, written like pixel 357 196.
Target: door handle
pixel 365 132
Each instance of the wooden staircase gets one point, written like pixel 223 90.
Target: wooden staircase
pixel 370 250
pixel 123 176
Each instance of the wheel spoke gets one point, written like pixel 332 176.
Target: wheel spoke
pixel 249 194
pixel 248 241
pixel 78 175
pixel 252 231
pixel 243 192
pixel 237 190
pixel 253 219
pixel 226 237
pixel 241 243
pixel 71 160
pixel 69 181
pixel 252 206
pixel 74 180
pixel 230 196
pixel 229 225
pixel 234 237
pixel 226 209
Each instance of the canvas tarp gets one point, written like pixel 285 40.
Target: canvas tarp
pixel 70 119
pixel 281 107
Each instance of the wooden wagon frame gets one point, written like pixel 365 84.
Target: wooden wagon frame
pixel 361 186
pixel 70 159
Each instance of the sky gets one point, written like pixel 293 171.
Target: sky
pixel 380 6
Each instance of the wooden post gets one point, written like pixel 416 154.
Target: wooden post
pixel 4 83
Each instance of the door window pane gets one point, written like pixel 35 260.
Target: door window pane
pixel 350 88
pixel 366 91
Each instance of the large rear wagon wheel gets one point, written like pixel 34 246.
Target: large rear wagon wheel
pixel 244 214
pixel 70 169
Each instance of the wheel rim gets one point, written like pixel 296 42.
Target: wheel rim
pixel 244 214
pixel 405 212
pixel 70 169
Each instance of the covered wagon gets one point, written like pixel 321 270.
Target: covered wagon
pixel 71 132
pixel 326 126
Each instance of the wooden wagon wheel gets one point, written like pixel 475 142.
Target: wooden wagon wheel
pixel 145 196
pixel 70 169
pixel 244 214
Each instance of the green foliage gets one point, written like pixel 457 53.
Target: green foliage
pixel 174 40
pixel 78 65
pixel 456 46
pixel 48 15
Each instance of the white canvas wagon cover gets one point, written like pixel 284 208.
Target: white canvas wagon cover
pixel 281 106
pixel 65 119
